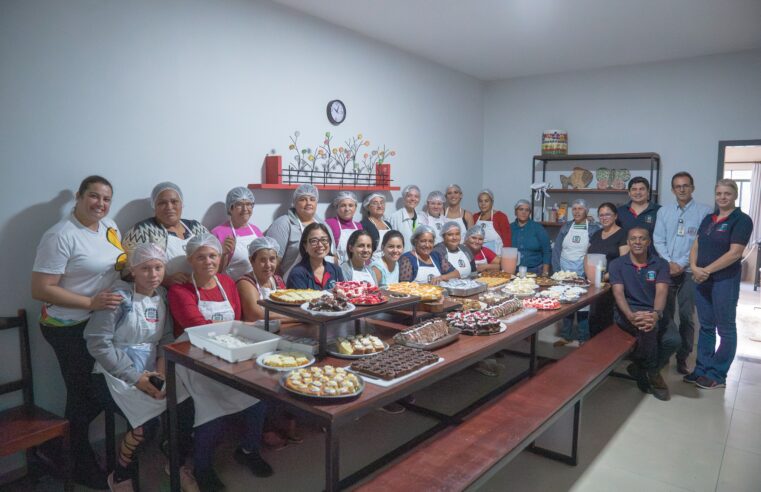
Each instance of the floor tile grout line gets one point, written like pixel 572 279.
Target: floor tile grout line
pixel 729 427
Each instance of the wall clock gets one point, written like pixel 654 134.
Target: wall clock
pixel 336 111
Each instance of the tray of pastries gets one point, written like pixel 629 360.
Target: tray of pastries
pixel 471 305
pixel 295 296
pixel 497 274
pixel 360 293
pixel 545 281
pixel 326 382
pixel 396 362
pixel 464 287
pixel 542 303
pixel 521 287
pixel 285 361
pixel 328 305
pixel 492 282
pixel 426 292
pixel 505 308
pixel 428 335
pixel 357 346
pixel 476 323
pixel 569 277
pixel 492 298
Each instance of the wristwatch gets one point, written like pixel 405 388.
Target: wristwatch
pixel 660 314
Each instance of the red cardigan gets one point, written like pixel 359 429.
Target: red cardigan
pixel 501 225
pixel 183 302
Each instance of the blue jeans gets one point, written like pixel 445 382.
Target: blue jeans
pixel 582 327
pixel 716 301
pixel 208 435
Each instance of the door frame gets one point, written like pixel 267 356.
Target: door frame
pixel 723 144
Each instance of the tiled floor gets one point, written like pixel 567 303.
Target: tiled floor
pixel 698 441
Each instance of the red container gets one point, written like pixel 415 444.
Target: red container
pixel 383 174
pixel 273 167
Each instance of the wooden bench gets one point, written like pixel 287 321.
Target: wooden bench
pixel 468 454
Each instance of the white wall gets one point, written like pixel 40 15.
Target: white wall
pixel 679 109
pixel 196 92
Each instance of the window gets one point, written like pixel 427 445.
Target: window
pixel 742 178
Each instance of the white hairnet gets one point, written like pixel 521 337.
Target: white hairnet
pixel 306 190
pixel 455 186
pixel 145 252
pixel 476 230
pixel 263 242
pixel 238 194
pixel 371 197
pixel 163 186
pixel 522 201
pixel 436 196
pixel 582 202
pixel 419 231
pixel 344 195
pixel 488 192
pixel 199 241
pixel 409 188
pixel 449 225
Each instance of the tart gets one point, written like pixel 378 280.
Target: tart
pixel 295 296
pixel 493 281
pixel 426 292
pixel 327 381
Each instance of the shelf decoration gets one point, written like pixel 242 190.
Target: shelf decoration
pixel 554 142
pixel 351 165
pixel 579 178
pixel 615 179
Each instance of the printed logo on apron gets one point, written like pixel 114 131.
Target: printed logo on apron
pixel 152 315
pixel 430 277
pixel 576 239
pixel 217 317
pixel 461 263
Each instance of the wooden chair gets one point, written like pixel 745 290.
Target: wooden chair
pixel 27 426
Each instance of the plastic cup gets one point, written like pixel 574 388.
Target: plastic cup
pixel 510 259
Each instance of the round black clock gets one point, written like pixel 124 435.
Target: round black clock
pixel 336 111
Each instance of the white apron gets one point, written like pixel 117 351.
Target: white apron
pixel 460 223
pixel 378 253
pixel 480 260
pixel 426 273
pixel 138 335
pixel 364 275
pixel 492 240
pixel 460 261
pixel 574 250
pixel 343 241
pixel 175 253
pixel 437 223
pixel 239 263
pixel 212 399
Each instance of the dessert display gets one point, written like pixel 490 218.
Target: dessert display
pixel 329 303
pixel 282 360
pixel 544 281
pixel 395 362
pixel 359 293
pixel 492 282
pixel 541 303
pixel 492 298
pixel 497 274
pixel 470 305
pixel 463 287
pixel 426 292
pixel 295 296
pixel 564 293
pixel 231 340
pixel 521 287
pixel 474 323
pixel 326 381
pixel 564 275
pixel 424 333
pixel 505 308
pixel 359 345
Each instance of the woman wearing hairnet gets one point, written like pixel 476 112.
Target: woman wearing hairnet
pixel 125 344
pixel 454 210
pixel 531 239
pixel 458 255
pixel 343 224
pixel 261 281
pixel 210 297
pixel 237 232
pixel 287 229
pixel 484 259
pixel 433 215
pixel 405 220
pixel 568 254
pixel 496 225
pixel 168 229
pixel 374 222
pixel 423 264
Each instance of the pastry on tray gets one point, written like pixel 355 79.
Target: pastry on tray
pixel 359 292
pixel 425 291
pixel 286 359
pixel 359 345
pixel 326 381
pixel 395 362
pixel 474 323
pixel 497 274
pixel 424 333
pixel 329 303
pixel 492 282
pixel 542 303
pixel 295 296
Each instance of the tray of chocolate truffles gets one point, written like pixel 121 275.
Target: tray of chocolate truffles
pixel 428 335
pixel 328 305
pixel 396 362
pixel 476 323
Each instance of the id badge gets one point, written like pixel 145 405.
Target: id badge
pixel 680 230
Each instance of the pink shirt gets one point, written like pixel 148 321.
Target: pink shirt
pixel 337 224
pixel 225 230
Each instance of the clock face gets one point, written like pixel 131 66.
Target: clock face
pixel 336 112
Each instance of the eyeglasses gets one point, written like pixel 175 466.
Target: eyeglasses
pixel 242 205
pixel 682 187
pixel 319 240
pixel 605 215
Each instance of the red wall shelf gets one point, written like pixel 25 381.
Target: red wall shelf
pixel 276 186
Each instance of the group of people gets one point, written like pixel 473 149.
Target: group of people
pixel 110 302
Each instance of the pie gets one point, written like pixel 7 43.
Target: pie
pixel 496 274
pixel 295 296
pixel 426 292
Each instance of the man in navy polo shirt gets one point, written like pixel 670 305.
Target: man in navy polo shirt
pixel 640 286
pixel 639 210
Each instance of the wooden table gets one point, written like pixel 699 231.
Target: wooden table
pixel 262 383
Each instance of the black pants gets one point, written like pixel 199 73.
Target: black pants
pixel 82 402
pixel 653 347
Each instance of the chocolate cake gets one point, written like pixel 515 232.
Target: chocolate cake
pixel 474 323
pixel 395 362
pixel 422 333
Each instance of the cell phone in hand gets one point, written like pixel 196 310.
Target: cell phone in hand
pixel 157 382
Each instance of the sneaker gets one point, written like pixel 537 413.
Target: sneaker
pixel 561 343
pixel 708 383
pixel 394 408
pixel 658 387
pixel 691 378
pixel 254 462
pixel 123 486
pixel 208 481
pixel 638 374
pixel 681 367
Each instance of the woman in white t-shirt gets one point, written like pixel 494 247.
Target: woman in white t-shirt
pixel 434 213
pixel 77 261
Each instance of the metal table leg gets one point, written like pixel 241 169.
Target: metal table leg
pixel 357 327
pixel 532 360
pixel 331 460
pixel 323 340
pixel 171 404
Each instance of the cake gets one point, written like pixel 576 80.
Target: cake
pixel 424 333
pixel 329 303
pixel 359 345
pixel 474 323
pixel 396 362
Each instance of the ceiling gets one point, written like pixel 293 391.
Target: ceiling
pixel 500 39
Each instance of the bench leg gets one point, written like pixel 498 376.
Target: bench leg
pixel 569 459
pixel 332 469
